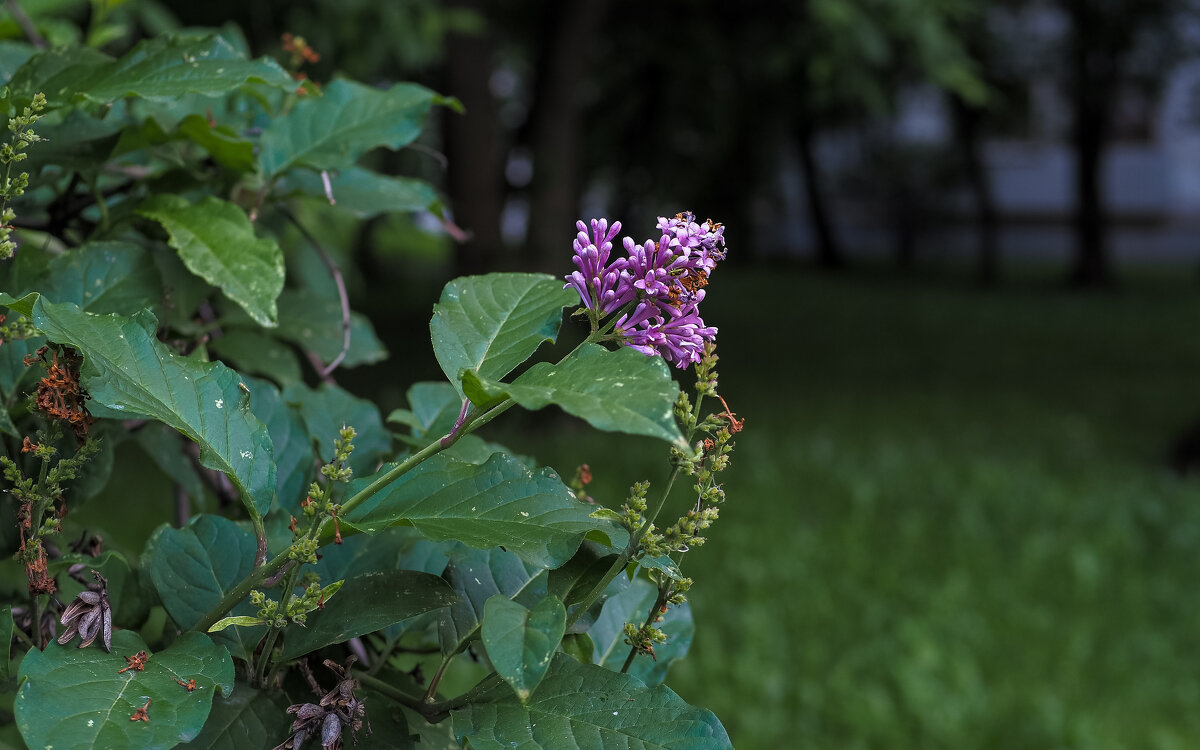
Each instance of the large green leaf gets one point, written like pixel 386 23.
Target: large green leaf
pixel 327 409
pixel 520 641
pixel 632 603
pixel 193 568
pixel 389 726
pixel 399 548
pixel 226 147
pixel 314 322
pixel 160 68
pixel 216 241
pixel 12 56
pixel 433 408
pixel 165 448
pixel 590 708
pixel 331 131
pixel 55 72
pixel 71 697
pixel 80 143
pixel 128 371
pixel 366 603
pixel 499 503
pixel 364 193
pixel 294 465
pixel 255 353
pixel 617 391
pixel 6 424
pixel 248 718
pixel 478 575
pixel 102 277
pixel 490 324
pixel 6 632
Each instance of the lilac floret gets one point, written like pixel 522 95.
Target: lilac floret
pixel 597 279
pixel 665 278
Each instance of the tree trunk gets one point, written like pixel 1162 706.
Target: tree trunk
pixel 967 119
pixel 1094 72
pixel 555 127
pixel 475 173
pixel 829 251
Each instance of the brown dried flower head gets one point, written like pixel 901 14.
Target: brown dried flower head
pixel 89 616
pixel 337 710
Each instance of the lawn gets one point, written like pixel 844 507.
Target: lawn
pixel 950 521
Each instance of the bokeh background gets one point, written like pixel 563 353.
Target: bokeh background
pixel 959 316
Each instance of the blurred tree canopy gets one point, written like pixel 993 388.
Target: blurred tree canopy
pixel 634 108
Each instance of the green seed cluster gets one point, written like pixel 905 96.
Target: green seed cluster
pixel 12 152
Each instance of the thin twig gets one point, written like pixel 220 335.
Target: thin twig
pixel 338 279
pixel 26 23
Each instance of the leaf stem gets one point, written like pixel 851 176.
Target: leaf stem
pixel 635 536
pixel 664 592
pixel 437 678
pixel 239 592
pixel 391 691
pixel 26 23
pixel 325 371
pixel 271 637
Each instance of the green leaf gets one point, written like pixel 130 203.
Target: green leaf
pixel 193 568
pixel 6 634
pixel 476 576
pixel 247 718
pixel 227 148
pixel 53 71
pixel 368 602
pixel 434 409
pixel 80 143
pixel 71 697
pixel 216 242
pixel 102 277
pixel 498 503
pixel 255 353
pixel 314 323
pixel 127 370
pixel 400 548
pixel 294 465
pixel 632 603
pixel 490 324
pixel 165 448
pixel 6 424
pixel 12 56
pixel 160 68
pixel 243 621
pixel 663 564
pixel 617 391
pixel 590 708
pixel 579 647
pixel 327 409
pixel 389 725
pixel 574 581
pixel 364 193
pixel 520 641
pixel 331 131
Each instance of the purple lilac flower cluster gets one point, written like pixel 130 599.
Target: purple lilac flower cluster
pixel 663 281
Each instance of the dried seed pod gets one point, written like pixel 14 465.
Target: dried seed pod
pixel 337 710
pixel 89 616
pixel 331 731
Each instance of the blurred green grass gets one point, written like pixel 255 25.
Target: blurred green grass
pixel 950 522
